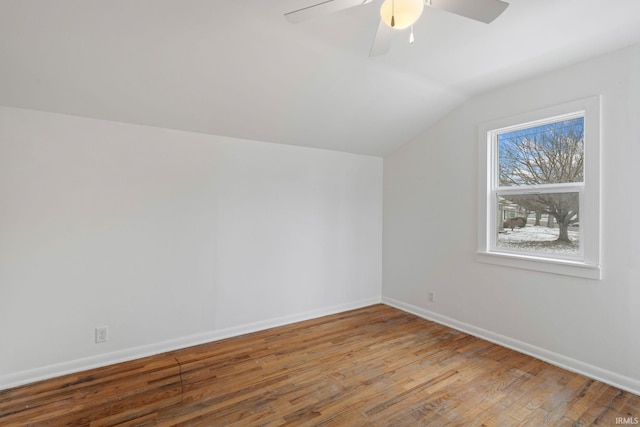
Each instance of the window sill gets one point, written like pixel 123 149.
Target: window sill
pixel 567 268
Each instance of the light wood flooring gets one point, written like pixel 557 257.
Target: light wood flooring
pixel 375 366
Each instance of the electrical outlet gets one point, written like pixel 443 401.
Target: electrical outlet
pixel 102 334
pixel 431 296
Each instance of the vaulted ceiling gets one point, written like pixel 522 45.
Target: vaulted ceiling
pixel 238 68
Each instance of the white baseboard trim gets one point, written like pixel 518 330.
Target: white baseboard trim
pixel 620 381
pixel 98 361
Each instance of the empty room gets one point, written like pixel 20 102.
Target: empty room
pixel 306 213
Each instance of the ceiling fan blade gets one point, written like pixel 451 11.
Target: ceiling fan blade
pixel 324 8
pixel 479 10
pixel 382 42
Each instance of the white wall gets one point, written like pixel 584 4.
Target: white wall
pixel 170 238
pixel 430 222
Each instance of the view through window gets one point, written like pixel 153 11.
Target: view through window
pixel 537 187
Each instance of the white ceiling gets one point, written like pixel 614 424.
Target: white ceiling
pixel 238 68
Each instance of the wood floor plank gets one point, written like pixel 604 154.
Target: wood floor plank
pixel 375 366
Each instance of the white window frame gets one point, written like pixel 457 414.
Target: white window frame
pixel 587 263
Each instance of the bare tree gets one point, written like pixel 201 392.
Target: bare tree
pixel 548 154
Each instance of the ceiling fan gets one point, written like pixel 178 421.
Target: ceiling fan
pixel 397 15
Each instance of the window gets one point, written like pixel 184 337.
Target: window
pixel 540 175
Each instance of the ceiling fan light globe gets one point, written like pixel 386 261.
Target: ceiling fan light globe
pixel 404 12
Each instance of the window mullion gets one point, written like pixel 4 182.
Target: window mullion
pixel 549 188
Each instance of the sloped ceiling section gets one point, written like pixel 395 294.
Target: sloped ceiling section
pixel 238 68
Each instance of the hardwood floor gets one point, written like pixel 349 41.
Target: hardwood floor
pixel 375 366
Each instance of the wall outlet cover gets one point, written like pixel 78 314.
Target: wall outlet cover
pixel 102 334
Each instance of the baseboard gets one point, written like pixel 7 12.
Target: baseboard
pixel 620 381
pixel 98 361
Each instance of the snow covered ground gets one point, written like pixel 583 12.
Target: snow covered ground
pixel 538 239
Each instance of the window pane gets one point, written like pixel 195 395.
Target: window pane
pixel 545 222
pixel 546 154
